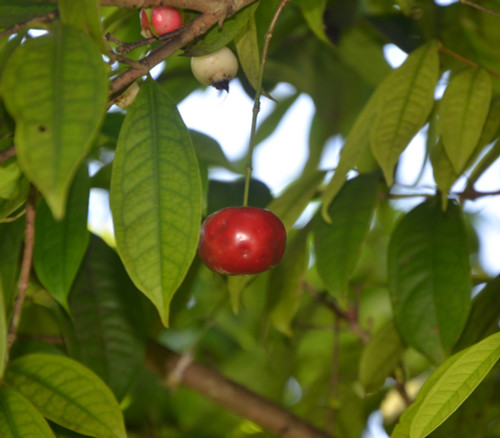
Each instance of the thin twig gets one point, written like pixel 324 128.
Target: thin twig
pixel 467 61
pixel 7 153
pixel 49 16
pixel 332 305
pixel 124 48
pixel 334 376
pixel 481 8
pixel 24 276
pixel 258 92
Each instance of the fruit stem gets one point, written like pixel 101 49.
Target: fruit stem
pixel 258 92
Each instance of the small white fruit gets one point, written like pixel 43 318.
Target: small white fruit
pixel 216 68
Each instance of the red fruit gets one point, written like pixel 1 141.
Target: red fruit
pixel 242 240
pixel 163 18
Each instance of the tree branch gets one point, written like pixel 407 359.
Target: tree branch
pixel 24 276
pixel 192 30
pixel 209 383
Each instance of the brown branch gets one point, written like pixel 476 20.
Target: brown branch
pixel 332 305
pixel 209 383
pixel 467 61
pixel 191 30
pixel 49 16
pixel 24 276
pixel 193 5
pixel 7 153
pixel 481 8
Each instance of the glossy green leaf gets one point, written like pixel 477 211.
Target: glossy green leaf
pixel 380 357
pixel 429 278
pixel 156 196
pixel 107 319
pixel 285 282
pixel 67 393
pixel 247 48
pixel 462 114
pixel 338 245
pixel 60 245
pixel 57 109
pixel 405 106
pixel 19 418
pixel 455 384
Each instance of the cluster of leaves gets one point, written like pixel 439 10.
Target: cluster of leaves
pixel 368 302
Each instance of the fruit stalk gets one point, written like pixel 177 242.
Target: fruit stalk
pixel 258 92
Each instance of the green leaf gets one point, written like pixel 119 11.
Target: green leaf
pixel 405 106
pixel 156 196
pixel 11 238
pixel 380 357
pixel 84 15
pixel 442 169
pixel 218 37
pixel 402 429
pixel 338 245
pixel 484 315
pixel 354 147
pixel 19 418
pixel 429 278
pixel 462 114
pixel 293 201
pixel 107 319
pixel 455 384
pixel 285 282
pixel 247 47
pixel 3 335
pixel 209 150
pixel 314 11
pixel 67 393
pixel 14 188
pixel 60 245
pixel 57 109
pixel 19 11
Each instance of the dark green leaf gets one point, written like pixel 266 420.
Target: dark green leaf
pixel 156 196
pixel 247 47
pixel 18 11
pixel 429 278
pixel 60 245
pixel 484 315
pixel 107 318
pixel 338 245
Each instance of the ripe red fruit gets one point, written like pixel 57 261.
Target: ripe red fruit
pixel 163 18
pixel 242 240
